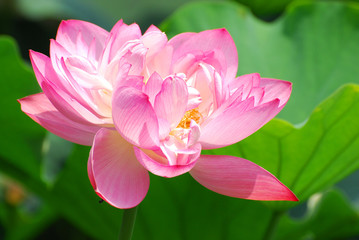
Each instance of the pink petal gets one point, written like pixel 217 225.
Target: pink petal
pixel 194 134
pixel 194 98
pixel 177 151
pixel 153 86
pixel 129 81
pixel 69 107
pixel 84 74
pixel 219 90
pixel 208 41
pixel 40 109
pixel 135 118
pixel 50 70
pixel 202 81
pixel 160 63
pixel 76 86
pixel 90 171
pixel 57 52
pixel 274 88
pixel 88 98
pixel 154 40
pixel 245 83
pixel 171 101
pixel 42 65
pixel 240 178
pixel 119 35
pixel 158 165
pixel 114 171
pixel 92 36
pixel 64 102
pixel 178 40
pixel 257 94
pixel 137 57
pixel 153 28
pixel 236 123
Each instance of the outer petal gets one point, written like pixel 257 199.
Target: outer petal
pixel 62 77
pixel 59 97
pixel 157 164
pixel 114 171
pixel 237 177
pixel 135 118
pixel 83 38
pixel 208 41
pixel 180 39
pixel 40 109
pixel 235 123
pixel 246 83
pixel 274 88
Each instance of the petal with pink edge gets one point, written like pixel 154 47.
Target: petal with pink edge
pixel 208 41
pixel 119 35
pixel 240 178
pixel 114 171
pixel 41 110
pixel 69 107
pixel 275 88
pixel 245 83
pixel 62 99
pixel 236 123
pixel 158 165
pixel 135 118
pixel 80 37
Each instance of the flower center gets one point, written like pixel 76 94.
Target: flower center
pixel 192 114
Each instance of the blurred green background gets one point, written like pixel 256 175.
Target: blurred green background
pixel 313 147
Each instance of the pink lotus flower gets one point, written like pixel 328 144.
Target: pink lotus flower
pixel 148 104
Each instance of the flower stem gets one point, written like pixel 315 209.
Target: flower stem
pixel 268 235
pixel 128 223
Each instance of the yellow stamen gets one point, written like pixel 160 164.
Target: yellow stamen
pixel 192 114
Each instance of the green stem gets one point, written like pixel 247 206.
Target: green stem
pixel 272 225
pixel 128 223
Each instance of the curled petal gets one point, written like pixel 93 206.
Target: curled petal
pixel 179 153
pixel 208 41
pixel 135 118
pixel 194 134
pixel 194 98
pixel 114 171
pixel 240 178
pixel 158 164
pixel 41 110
